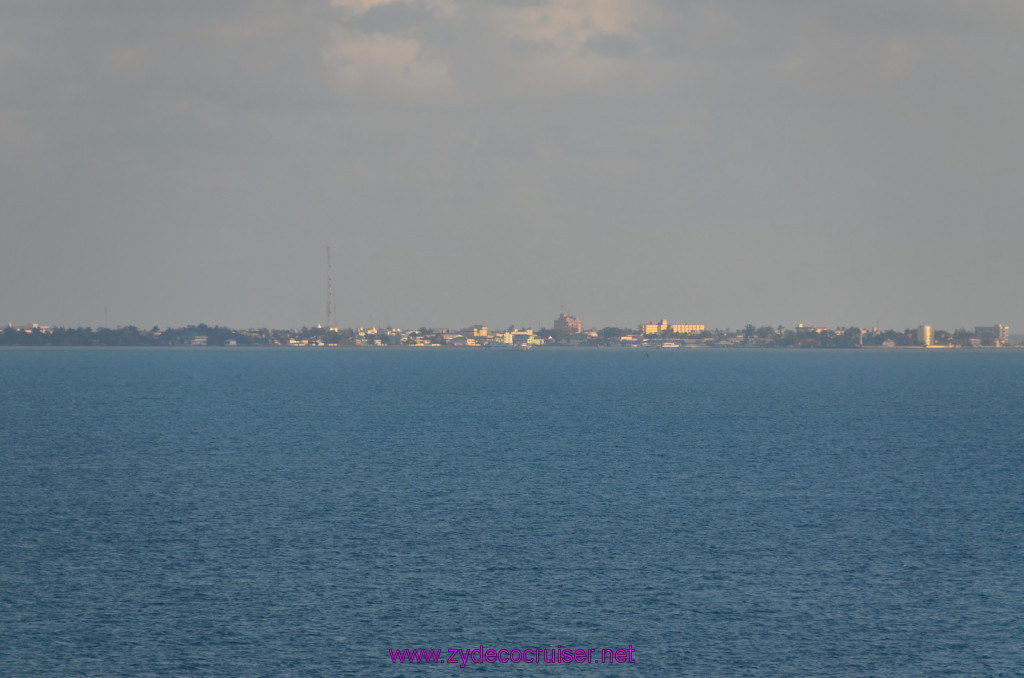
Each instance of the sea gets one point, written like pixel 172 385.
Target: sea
pixel 314 512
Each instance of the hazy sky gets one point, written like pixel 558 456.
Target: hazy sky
pixel 718 162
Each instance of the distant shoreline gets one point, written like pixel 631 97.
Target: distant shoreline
pixel 500 349
pixel 647 336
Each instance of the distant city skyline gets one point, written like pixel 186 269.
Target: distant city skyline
pixel 773 163
pixel 567 331
pixel 108 320
pixel 564 324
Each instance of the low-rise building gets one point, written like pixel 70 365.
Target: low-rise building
pixel 685 329
pixel 663 326
pixel 519 337
pixel 654 327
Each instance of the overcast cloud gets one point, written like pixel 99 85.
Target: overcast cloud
pixel 835 163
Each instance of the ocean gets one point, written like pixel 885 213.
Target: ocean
pixel 303 512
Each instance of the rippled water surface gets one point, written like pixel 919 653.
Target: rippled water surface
pixel 300 512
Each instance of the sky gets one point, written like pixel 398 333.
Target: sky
pixel 719 162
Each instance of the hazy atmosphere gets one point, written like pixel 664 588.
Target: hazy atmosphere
pixel 831 163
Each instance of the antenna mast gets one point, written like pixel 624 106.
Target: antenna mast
pixel 330 292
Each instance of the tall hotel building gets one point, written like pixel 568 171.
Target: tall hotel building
pixel 568 325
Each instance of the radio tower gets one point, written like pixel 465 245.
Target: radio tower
pixel 330 293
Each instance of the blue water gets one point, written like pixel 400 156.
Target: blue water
pixel 299 512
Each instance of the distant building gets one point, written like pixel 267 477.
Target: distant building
pixel 654 327
pixel 924 335
pixel 685 329
pixel 663 326
pixel 519 337
pixel 29 329
pixel 568 325
pixel 996 335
